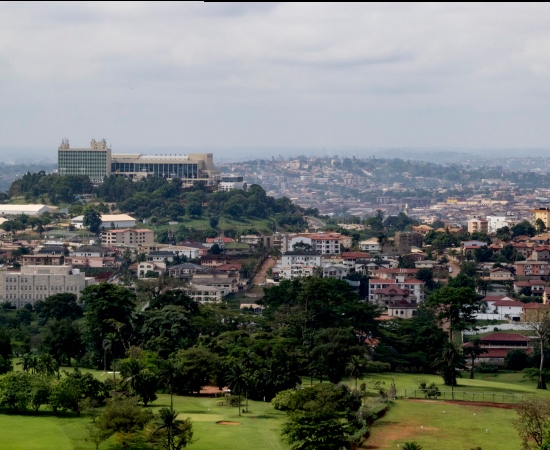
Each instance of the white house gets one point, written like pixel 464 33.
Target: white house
pixel 371 245
pixel 301 257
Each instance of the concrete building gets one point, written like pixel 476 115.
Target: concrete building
pixel 94 161
pixel 542 214
pixel 29 210
pixel 301 257
pixel 35 283
pixel 98 161
pixel 108 221
pixel 478 226
pixel 408 239
pixel 129 237
pixel 230 183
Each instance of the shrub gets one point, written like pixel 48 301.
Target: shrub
pixel 487 368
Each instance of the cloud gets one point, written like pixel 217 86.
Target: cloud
pixel 281 74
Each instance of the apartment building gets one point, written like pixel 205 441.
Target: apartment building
pixel 542 214
pixel 531 268
pixel 35 283
pixel 478 226
pixel 388 292
pixel 128 237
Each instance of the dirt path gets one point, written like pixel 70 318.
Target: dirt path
pixel 259 278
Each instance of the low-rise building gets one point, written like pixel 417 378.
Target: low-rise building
pixel 35 283
pixel 531 268
pixel 132 237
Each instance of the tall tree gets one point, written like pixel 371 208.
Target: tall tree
pixel 537 320
pixel 455 306
pixel 473 352
pixel 108 309
pixel 92 218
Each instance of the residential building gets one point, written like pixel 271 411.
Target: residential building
pixel 184 271
pixel 92 251
pixel 147 267
pixel 497 346
pixel 531 268
pixel 309 258
pixel 478 226
pixel 542 214
pixel 35 283
pixel 402 309
pixel 408 239
pixel 324 243
pixel 43 260
pixel 206 294
pixel 384 292
pixel 129 237
pixel 370 245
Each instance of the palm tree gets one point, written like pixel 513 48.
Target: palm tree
pixel 237 381
pixel 131 369
pixel 356 367
pixel 451 359
pixel 47 364
pixel 412 446
pixel 108 346
pixel 474 352
pixel 167 374
pixel 174 434
pixel 26 361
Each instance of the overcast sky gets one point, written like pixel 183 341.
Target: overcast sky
pixel 154 75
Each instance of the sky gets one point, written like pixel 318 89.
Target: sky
pixel 245 78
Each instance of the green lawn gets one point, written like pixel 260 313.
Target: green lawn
pixel 458 428
pixel 436 426
pixel 259 428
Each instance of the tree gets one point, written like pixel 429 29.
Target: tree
pixel 473 352
pixel 169 432
pixel 5 352
pixel 323 417
pixel 356 368
pixel 63 340
pixel 92 218
pixel 238 382
pixel 108 309
pixel 449 362
pixel 455 305
pixel 124 418
pixel 532 422
pixel 214 221
pixel 194 208
pixel 516 360
pixel 540 226
pixel 538 321
pixel 524 228
pixel 215 249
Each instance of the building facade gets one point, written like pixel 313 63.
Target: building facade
pixel 128 237
pixel 94 161
pixel 35 283
pixel 99 162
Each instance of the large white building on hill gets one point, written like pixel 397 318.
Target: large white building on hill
pixel 99 162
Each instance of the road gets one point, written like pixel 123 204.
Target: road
pixel 314 222
pixel 259 278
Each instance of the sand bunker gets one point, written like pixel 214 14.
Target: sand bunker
pixel 225 422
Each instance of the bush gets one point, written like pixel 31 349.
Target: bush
pixel 282 399
pixel 487 368
pixel 430 391
pixel 516 360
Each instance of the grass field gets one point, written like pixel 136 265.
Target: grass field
pixel 259 429
pixel 457 428
pixel 438 425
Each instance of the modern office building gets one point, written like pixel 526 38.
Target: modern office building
pixel 94 161
pixel 98 162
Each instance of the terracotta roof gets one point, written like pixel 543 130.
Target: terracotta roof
pixel 231 266
pixel 493 353
pixel 508 303
pixel 506 337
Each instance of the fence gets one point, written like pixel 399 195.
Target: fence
pixel 487 397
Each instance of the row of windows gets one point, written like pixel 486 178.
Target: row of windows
pixel 169 170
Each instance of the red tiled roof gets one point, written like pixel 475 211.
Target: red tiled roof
pixel 508 303
pixel 232 266
pixel 506 337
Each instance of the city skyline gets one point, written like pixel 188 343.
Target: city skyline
pixel 275 76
